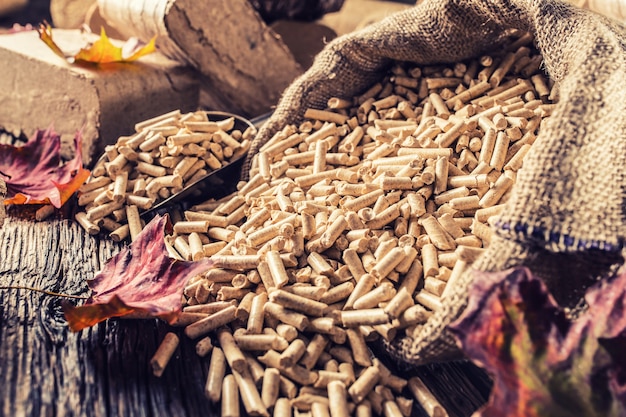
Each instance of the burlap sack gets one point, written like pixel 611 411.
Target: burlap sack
pixel 566 218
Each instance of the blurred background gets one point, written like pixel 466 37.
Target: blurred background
pixel 341 15
pixel 304 25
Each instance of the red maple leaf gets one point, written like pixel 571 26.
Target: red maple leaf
pixel 33 173
pixel 140 281
pixel 543 363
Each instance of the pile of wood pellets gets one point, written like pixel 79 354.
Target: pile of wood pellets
pixel 166 154
pixel 353 226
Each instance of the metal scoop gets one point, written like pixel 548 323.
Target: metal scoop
pixel 215 184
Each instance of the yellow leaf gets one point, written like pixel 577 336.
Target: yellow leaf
pixel 145 50
pixel 102 51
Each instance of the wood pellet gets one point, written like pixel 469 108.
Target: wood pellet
pixel 354 226
pixel 165 154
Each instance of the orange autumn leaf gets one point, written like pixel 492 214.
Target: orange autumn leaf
pixel 141 281
pixel 65 191
pixel 102 51
pixel 34 174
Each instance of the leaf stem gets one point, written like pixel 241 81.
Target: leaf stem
pixel 55 294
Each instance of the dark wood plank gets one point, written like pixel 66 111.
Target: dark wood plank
pixel 46 370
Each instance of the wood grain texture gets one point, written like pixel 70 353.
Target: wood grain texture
pixel 46 370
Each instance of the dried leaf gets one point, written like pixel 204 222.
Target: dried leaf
pixel 544 364
pixel 101 51
pixel 34 175
pixel 45 34
pixel 140 281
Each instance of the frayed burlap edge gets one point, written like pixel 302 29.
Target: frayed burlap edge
pixel 567 276
pixel 435 342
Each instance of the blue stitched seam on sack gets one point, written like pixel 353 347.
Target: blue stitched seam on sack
pixel 562 240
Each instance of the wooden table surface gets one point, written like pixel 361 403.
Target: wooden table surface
pixel 46 370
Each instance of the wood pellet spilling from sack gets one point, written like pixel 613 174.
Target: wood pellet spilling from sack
pixel 353 226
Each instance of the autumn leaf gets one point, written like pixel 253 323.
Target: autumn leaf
pixel 45 34
pixel 544 364
pixel 140 281
pixel 102 51
pixel 33 173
